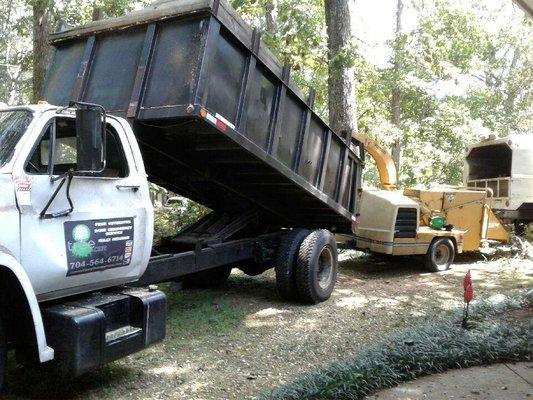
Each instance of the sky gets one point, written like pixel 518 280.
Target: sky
pixel 375 24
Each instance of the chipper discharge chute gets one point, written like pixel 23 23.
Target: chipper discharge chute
pixel 218 120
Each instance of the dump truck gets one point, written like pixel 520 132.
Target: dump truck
pixel 505 167
pixel 185 95
pixel 435 224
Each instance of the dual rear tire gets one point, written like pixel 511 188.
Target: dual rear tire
pixel 306 268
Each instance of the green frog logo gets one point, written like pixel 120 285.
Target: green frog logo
pixel 81 247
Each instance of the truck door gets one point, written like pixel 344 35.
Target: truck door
pixel 102 241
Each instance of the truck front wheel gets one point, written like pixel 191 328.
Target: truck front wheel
pixel 316 271
pixel 440 255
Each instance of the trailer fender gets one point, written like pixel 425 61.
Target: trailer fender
pixel 17 276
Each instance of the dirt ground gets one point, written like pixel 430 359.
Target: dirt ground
pixel 242 341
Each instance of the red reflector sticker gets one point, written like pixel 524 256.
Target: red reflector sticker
pixel 221 125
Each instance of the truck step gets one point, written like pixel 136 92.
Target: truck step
pixel 124 333
pixel 96 329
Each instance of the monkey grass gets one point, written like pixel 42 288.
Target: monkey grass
pixel 430 348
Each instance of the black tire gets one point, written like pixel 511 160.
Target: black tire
pixel 286 263
pixel 316 271
pixel 208 279
pixel 3 354
pixel 440 255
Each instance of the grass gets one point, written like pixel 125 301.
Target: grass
pixel 426 349
pixel 193 315
pixel 197 313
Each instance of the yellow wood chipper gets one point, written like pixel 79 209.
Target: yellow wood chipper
pixel 434 223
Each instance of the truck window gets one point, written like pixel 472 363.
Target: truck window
pixel 66 151
pixel 13 125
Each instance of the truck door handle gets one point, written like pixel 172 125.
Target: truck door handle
pixel 128 187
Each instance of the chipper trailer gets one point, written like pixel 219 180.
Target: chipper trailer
pixel 435 224
pixel 186 95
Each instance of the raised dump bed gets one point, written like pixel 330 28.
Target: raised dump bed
pixel 217 118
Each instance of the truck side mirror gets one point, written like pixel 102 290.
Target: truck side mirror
pixel 90 123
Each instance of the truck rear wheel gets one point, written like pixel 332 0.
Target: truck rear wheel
pixel 440 255
pixel 208 279
pixel 316 271
pixel 3 354
pixel 286 263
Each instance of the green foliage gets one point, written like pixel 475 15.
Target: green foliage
pixel 456 45
pixel 296 34
pixel 427 349
pixel 169 219
pixel 464 71
pixel 16 36
pixel 15 43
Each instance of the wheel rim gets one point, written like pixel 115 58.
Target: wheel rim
pixel 325 268
pixel 441 256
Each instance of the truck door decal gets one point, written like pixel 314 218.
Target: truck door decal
pixel 96 245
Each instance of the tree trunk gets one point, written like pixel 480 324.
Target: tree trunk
pixel 396 99
pixel 41 48
pixel 341 81
pixel 271 16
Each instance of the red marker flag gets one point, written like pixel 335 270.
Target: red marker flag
pixel 469 293
pixel 467 280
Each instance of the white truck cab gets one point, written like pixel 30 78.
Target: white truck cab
pixel 111 211
pixel 65 232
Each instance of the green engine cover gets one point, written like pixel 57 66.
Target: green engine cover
pixel 437 223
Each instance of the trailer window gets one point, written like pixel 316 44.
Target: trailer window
pixel 489 162
pixel 13 124
pixel 66 151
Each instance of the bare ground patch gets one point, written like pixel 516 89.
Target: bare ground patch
pixel 243 340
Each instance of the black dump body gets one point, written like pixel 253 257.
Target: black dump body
pixel 218 120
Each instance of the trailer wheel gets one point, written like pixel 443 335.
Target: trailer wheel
pixel 286 263
pixel 440 255
pixel 316 271
pixel 208 279
pixel 3 354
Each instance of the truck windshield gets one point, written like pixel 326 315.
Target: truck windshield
pixel 13 124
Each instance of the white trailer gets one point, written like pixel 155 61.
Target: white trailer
pixel 505 166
